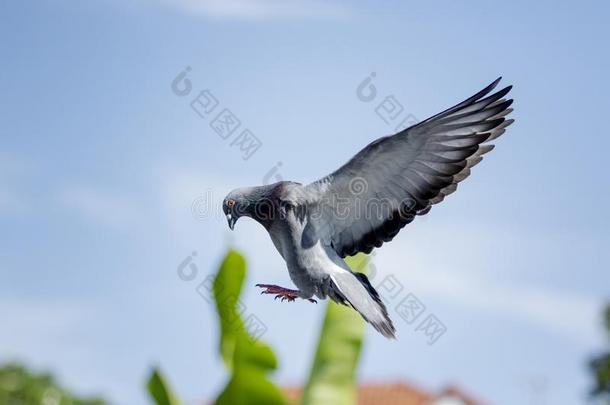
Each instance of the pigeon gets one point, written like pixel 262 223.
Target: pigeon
pixel 368 200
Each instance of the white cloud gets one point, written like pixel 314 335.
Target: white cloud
pixel 568 314
pixel 28 320
pixel 106 208
pixel 10 202
pixel 14 173
pixel 261 9
pixel 469 283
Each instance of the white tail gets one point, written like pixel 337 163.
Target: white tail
pixel 356 290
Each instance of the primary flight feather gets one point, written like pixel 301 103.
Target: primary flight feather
pixel 367 201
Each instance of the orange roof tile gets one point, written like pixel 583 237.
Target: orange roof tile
pixel 395 394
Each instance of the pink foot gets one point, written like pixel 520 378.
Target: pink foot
pixel 284 294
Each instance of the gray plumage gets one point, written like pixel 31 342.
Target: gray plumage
pixel 369 199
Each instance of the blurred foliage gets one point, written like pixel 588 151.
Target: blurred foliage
pixel 19 386
pixel 332 376
pixel 249 361
pixel 600 367
pixel 247 358
pixel 159 390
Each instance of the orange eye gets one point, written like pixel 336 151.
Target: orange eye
pixel 230 203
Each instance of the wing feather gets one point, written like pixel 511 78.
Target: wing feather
pixel 403 175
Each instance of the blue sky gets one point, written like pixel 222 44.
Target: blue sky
pixel 101 162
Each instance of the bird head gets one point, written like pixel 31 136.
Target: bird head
pixel 252 202
pixel 235 205
pixel 230 206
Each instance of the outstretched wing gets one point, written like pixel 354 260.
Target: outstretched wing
pixel 381 189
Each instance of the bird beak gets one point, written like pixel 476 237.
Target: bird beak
pixel 231 220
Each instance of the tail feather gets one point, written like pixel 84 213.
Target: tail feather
pixel 356 290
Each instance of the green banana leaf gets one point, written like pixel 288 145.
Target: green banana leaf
pixel 247 358
pixel 332 376
pixel 159 390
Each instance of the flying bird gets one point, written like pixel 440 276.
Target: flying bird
pixel 368 200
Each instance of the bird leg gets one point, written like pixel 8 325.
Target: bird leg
pixel 284 294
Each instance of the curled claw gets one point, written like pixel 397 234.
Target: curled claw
pixel 285 294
